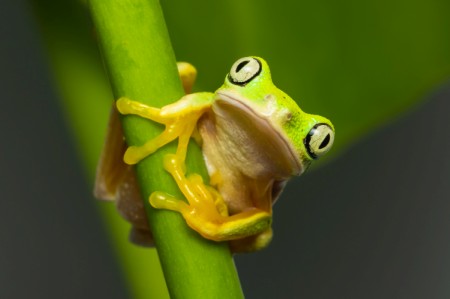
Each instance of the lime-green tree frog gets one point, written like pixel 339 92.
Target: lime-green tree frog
pixel 254 138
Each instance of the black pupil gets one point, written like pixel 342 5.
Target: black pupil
pixel 241 65
pixel 325 142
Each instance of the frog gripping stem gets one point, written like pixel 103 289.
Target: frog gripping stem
pixel 205 210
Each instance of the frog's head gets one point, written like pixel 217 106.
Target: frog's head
pixel 299 137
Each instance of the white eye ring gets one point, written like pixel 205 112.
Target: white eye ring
pixel 244 70
pixel 319 140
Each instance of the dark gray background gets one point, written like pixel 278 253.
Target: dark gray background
pixel 372 224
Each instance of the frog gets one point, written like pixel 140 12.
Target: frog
pixel 254 139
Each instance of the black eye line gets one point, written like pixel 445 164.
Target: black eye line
pixel 243 83
pixel 241 65
pixel 325 141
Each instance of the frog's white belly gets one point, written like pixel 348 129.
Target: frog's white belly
pixel 250 163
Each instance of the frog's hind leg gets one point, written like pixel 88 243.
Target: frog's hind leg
pixel 206 212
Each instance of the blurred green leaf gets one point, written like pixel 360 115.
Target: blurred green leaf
pixel 360 63
pixel 357 62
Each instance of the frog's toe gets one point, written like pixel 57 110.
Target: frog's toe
pixel 133 155
pixel 252 243
pixel 208 194
pixel 162 200
pixel 124 106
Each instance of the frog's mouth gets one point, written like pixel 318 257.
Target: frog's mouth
pixel 265 135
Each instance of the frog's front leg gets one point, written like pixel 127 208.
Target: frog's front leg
pixel 179 118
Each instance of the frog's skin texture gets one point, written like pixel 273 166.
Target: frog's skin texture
pixel 254 138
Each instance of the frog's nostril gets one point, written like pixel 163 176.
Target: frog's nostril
pixel 269 97
pixel 288 116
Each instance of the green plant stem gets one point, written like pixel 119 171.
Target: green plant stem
pixel 141 65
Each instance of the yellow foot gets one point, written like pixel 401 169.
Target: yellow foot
pixel 205 210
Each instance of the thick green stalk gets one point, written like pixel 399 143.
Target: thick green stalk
pixel 141 65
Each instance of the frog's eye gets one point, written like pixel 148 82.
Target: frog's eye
pixel 319 140
pixel 244 70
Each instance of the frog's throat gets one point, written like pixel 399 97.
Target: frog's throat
pixel 264 121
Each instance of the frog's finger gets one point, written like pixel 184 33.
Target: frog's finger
pixel 134 154
pixel 127 106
